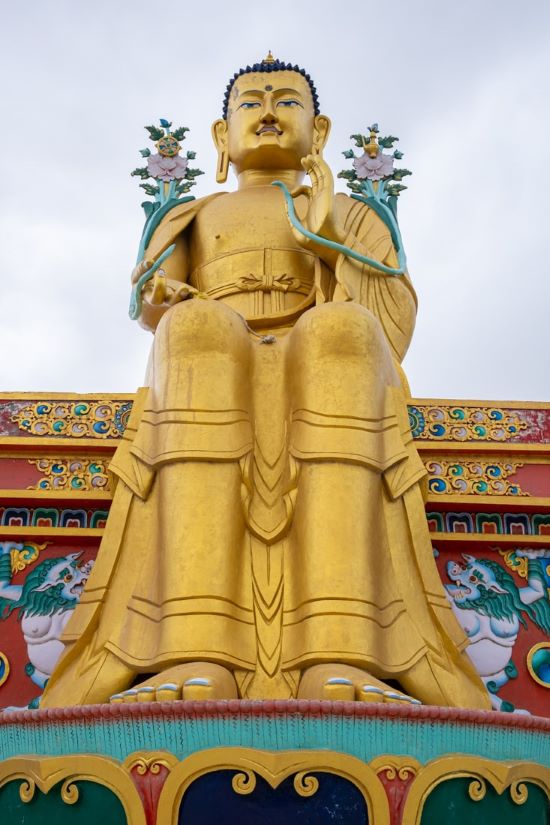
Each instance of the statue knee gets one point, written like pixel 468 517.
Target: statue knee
pixel 196 327
pixel 345 329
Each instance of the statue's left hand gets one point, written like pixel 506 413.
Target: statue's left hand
pixel 163 291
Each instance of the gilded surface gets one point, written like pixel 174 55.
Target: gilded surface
pixel 268 518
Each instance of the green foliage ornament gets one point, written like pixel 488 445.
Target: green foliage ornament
pixel 374 180
pixel 167 178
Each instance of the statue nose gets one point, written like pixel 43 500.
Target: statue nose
pixel 268 112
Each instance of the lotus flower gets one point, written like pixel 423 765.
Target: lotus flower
pixel 166 169
pixel 373 168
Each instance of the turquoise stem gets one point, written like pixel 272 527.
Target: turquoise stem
pixel 134 310
pixel 379 196
pixel 153 221
pixel 338 247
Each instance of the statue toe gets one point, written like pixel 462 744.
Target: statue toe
pixel 189 681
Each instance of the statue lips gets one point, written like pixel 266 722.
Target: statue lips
pixel 268 130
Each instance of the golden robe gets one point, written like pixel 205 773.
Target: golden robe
pixel 268 513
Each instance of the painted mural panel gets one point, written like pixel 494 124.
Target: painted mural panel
pixel 40 585
pixel 502 600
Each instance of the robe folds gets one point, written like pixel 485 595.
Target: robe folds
pixel 268 513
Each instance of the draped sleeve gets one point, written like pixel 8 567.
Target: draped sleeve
pixel 390 298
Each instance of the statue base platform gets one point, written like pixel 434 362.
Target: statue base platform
pixel 272 761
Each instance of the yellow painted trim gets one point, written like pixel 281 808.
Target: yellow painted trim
pixel 477 448
pixel 55 495
pixel 529 660
pixel 44 773
pixel 502 776
pixel 58 442
pixel 67 396
pixel 7 668
pixel 110 444
pixel 67 449
pixel 274 767
pixel 490 538
pixel 459 402
pixel 130 396
pixel 474 448
pixel 527 503
pixel 480 455
pixel 68 532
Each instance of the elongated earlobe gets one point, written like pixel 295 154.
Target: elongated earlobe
pixel 219 134
pixel 223 166
pixel 321 132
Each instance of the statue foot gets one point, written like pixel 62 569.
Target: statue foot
pixel 347 683
pixel 192 680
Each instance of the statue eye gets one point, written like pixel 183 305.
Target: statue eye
pixel 249 105
pixel 289 103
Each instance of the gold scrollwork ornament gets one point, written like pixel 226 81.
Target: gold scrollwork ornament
pixel 46 772
pixel 274 768
pixel 244 782
pixel 502 776
pixel 69 792
pixel 149 762
pixel 305 784
pixel 477 789
pixel 402 767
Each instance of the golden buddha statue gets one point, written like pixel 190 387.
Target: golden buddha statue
pixel 267 537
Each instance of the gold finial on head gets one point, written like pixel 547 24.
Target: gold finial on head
pixel 269 58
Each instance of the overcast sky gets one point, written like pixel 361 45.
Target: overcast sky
pixel 464 85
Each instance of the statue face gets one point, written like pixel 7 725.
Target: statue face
pixel 270 121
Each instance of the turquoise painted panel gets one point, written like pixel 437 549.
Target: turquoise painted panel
pixel 363 737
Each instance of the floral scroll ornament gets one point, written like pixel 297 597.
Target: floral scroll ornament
pixel 70 419
pixel 71 474
pixel 172 179
pixel 473 478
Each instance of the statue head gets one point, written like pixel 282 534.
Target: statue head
pixel 271 119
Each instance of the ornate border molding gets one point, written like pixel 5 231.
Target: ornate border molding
pixel 274 767
pixel 500 775
pixel 45 772
pixel 246 707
